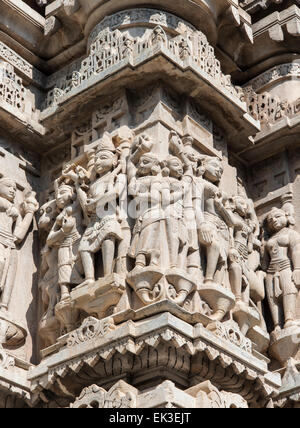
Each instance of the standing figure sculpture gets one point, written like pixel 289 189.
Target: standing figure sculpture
pixel 213 223
pixel 145 186
pixel 65 235
pixel 243 278
pixel 175 200
pixel 49 326
pixel 100 208
pixel 283 275
pixel 213 231
pixel 14 225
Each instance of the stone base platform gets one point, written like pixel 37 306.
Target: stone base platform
pixel 147 352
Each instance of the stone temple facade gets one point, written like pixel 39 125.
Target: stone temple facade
pixel 150 203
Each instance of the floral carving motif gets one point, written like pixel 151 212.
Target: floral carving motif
pixel 90 329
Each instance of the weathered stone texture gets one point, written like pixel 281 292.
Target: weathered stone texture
pixel 149 204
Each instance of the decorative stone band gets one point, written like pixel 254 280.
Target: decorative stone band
pixel 120 351
pixel 23 67
pixel 268 109
pixel 170 23
pixel 111 50
pixel 165 395
pixel 275 74
pixel 252 6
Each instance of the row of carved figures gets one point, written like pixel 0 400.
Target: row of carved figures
pixel 161 222
pixel 168 216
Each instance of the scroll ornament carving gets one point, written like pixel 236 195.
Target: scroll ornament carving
pixel 119 396
pixel 91 328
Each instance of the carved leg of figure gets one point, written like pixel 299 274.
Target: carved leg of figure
pixel 273 302
pixel 212 256
pixel 193 264
pixel 9 275
pixel 220 273
pixel 154 258
pixel 88 267
pixel 2 266
pixel 65 291
pixel 123 247
pixel 108 255
pixel 173 242
pixel 182 257
pixel 289 297
pixel 236 279
pixel 141 261
pixel 289 305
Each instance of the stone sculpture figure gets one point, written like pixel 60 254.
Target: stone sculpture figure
pixel 145 187
pixel 283 274
pixel 213 220
pixel 65 235
pixel 243 278
pixel 100 208
pixel 213 232
pixel 162 243
pixel 179 180
pixel 246 282
pixel 14 225
pixel 49 326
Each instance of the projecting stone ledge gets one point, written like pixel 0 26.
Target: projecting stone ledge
pixel 148 352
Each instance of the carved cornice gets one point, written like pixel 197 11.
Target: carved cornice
pixel 274 75
pixel 252 6
pixel 129 340
pixel 22 66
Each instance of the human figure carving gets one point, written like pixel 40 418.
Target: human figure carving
pixel 213 231
pixel 145 187
pixel 178 199
pixel 99 205
pixel 283 275
pixel 65 235
pixel 243 278
pixel 14 225
pixel 49 326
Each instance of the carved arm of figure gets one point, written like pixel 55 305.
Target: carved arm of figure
pixel 63 226
pixel 76 176
pixel 228 216
pixel 295 256
pixel 143 145
pixel 110 196
pixel 30 207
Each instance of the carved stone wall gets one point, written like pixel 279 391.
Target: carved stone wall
pixel 149 204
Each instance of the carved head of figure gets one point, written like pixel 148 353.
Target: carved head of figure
pixel 213 169
pixel 149 164
pixel 105 158
pixel 174 166
pixel 47 215
pixel 277 220
pixel 191 153
pixel 241 206
pixel 8 189
pixel 65 195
